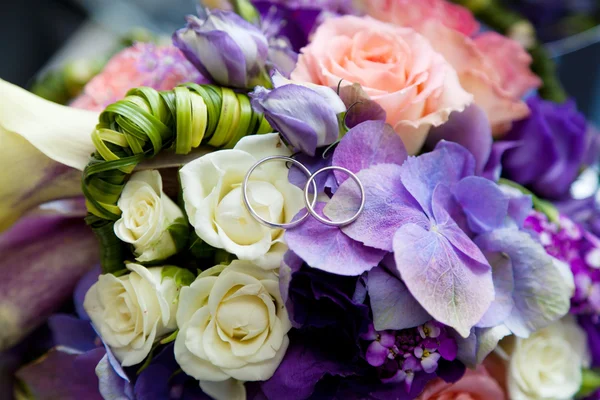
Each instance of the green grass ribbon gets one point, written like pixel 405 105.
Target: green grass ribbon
pixel 142 125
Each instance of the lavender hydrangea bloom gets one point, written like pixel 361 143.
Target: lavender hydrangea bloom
pixel 226 48
pixel 552 147
pixel 304 114
pixel 413 204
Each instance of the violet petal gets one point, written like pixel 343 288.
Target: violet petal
pixel 327 248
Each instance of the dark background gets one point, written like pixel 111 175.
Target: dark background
pixel 31 31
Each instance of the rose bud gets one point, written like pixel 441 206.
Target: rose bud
pixel 149 218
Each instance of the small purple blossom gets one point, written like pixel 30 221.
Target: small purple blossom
pixel 400 356
pixel 569 243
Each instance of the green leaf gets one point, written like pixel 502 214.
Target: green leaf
pixel 112 250
pixel 590 382
pixel 223 257
pixel 198 248
pixel 170 338
pixel 179 231
pixel 246 10
pixel 181 276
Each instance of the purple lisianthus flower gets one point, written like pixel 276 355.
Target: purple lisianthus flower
pixel 225 48
pixel 304 114
pixel 551 148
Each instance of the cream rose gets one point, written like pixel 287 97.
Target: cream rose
pixel 147 214
pixel 396 66
pixel 232 327
pixel 548 364
pixel 133 311
pixel 213 199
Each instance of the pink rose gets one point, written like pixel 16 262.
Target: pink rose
pixel 143 64
pixel 397 68
pixel 474 385
pixel 413 12
pixel 493 68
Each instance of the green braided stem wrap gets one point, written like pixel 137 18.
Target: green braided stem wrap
pixel 494 14
pixel 143 124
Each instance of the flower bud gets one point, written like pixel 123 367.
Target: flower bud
pixel 226 48
pixel 150 220
pixel 304 114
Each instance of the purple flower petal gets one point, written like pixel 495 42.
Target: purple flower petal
pixel 493 167
pixel 360 106
pixel 448 349
pixel 483 203
pixel 392 304
pixel 313 164
pixel 541 295
pixel 552 148
pixel 457 237
pixel 430 363
pixel 368 144
pixel 480 343
pixel 224 47
pixel 519 205
pixel 471 129
pixel 73 333
pixel 43 257
pixel 502 306
pixel 377 354
pixel 446 283
pixel 61 375
pixel 111 383
pixel 447 164
pixel 327 248
pixel 301 115
pixel 302 368
pixel 81 289
pixel 387 207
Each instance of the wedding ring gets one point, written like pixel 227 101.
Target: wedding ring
pixel 261 219
pixel 311 209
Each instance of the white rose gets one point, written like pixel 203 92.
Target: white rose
pixel 548 364
pixel 147 213
pixel 133 311
pixel 233 327
pixel 213 199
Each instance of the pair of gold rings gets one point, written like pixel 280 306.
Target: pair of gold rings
pixel 310 210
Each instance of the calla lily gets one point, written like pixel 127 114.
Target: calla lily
pixel 42 145
pixel 43 257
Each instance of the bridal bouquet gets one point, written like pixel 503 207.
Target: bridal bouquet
pixel 302 201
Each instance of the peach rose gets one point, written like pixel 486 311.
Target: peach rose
pixel 396 66
pixel 474 385
pixel 492 67
pixel 412 12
